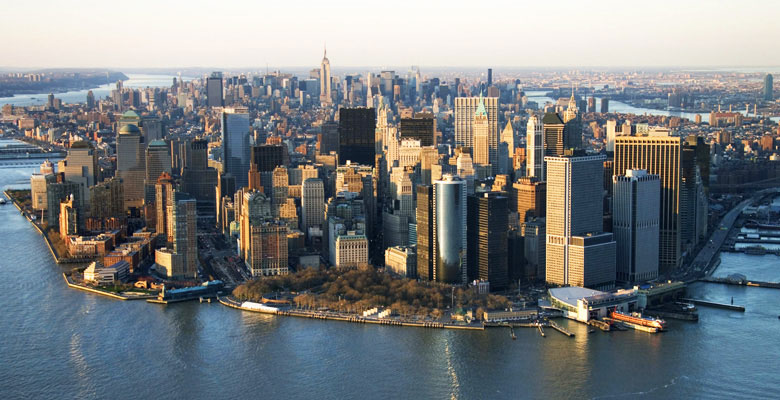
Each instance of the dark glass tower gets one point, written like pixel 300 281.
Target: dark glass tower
pixel 357 127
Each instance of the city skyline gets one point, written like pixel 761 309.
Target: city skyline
pixel 604 34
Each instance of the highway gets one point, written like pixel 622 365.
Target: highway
pixel 703 262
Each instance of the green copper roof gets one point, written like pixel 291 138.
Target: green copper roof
pixel 130 114
pixel 130 128
pixel 157 143
pixel 481 108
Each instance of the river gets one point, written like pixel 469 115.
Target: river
pixel 135 81
pixel 63 343
pixel 541 98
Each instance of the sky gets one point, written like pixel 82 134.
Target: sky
pixel 476 33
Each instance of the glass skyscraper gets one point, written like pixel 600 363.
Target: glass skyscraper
pixel 449 230
pixel 235 144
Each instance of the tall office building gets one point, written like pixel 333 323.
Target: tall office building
pixel 163 197
pixel 530 196
pixel 131 164
pixel 214 90
pixel 481 129
pixel 180 258
pixel 604 105
pixel 158 160
pixel 490 77
pixel 465 110
pixel 534 148
pixel 450 252
pixel 769 88
pixel 635 213
pixel 424 214
pixel 611 133
pixel 330 137
pixel 312 204
pixel 81 166
pixel 488 228
pixel 235 144
pixel 578 252
pixel 508 137
pixel 662 156
pixel 422 127
pixel 560 135
pixel 325 80
pixel 357 128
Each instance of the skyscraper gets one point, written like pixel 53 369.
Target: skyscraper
pixel 769 88
pixel 421 127
pixel 508 137
pixel 662 156
pixel 487 230
pixel 163 198
pixel 481 129
pixel 357 135
pixel 465 110
pixel 635 205
pixel 325 90
pixel 158 160
pixel 424 215
pixel 560 135
pixel 449 230
pixel 131 164
pixel 312 204
pixel 578 252
pixel 530 194
pixel 235 144
pixel 214 90
pixel 535 148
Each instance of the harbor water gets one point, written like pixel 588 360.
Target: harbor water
pixel 58 342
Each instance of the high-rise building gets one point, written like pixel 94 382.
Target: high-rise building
pixel 611 133
pixel 604 105
pixel 312 205
pixel 635 205
pixel 81 166
pixel 534 148
pixel 158 160
pixel 560 135
pixel 422 127
pixel 164 190
pixel 490 77
pixel 530 195
pixel 330 137
pixel 508 137
pixel 487 231
pixel 481 139
pixel 662 156
pixel 424 214
pixel 357 135
pixel 131 164
pixel 235 144
pixel 769 88
pixel 107 206
pixel 325 80
pixel 449 230
pixel 578 253
pixel 465 110
pixel 180 258
pixel 90 100
pixel 214 96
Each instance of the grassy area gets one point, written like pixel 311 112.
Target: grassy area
pixel 357 290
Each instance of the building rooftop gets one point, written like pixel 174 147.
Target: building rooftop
pixel 571 294
pixel 130 128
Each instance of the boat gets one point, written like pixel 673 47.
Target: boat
pixel 638 319
pixel 2 201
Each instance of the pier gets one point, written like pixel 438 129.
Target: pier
pixel 560 329
pixel 706 303
pixel 726 281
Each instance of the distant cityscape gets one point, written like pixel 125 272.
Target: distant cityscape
pixel 452 200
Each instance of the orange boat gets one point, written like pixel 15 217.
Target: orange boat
pixel 638 319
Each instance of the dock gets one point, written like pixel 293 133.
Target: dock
pixel 560 329
pixel 541 330
pixel 726 281
pixel 599 324
pixel 707 303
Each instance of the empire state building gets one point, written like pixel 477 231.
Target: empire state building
pixel 325 80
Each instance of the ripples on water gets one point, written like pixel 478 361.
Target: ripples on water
pixel 60 343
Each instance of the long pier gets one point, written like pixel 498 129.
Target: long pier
pixel 726 281
pixel 706 303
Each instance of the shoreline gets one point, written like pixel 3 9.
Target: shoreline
pixel 229 302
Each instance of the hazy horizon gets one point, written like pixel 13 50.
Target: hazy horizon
pixel 499 34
